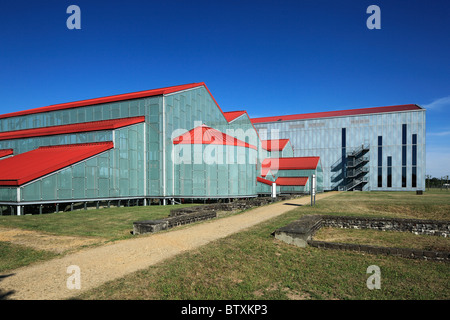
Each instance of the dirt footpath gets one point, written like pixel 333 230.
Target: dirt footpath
pixel 48 280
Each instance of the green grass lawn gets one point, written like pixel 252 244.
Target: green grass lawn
pixel 384 239
pixel 433 204
pixel 254 265
pixel 108 223
pixel 13 256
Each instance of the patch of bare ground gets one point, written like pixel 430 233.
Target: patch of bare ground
pixel 43 241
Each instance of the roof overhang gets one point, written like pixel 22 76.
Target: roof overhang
pixel 71 128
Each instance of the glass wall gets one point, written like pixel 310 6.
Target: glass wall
pixel 115 173
pixel 28 144
pixel 214 171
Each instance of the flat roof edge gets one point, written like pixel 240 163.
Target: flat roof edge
pixel 339 113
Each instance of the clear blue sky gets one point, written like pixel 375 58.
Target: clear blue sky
pixel 267 57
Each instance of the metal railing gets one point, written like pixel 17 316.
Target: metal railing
pixel 355 183
pixel 363 148
pixel 356 172
pixel 357 161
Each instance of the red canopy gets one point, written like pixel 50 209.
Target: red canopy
pixel 291 181
pixel 274 145
pixel 293 163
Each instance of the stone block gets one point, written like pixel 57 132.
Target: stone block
pixel 149 226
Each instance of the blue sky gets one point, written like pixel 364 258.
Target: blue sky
pixel 266 57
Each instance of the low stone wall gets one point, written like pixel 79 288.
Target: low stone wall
pixel 416 226
pixel 237 205
pixel 188 215
pixel 151 226
pixel 301 233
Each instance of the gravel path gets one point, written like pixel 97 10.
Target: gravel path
pixel 48 280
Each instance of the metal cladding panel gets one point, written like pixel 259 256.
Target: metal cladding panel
pixel 262 188
pixel 179 113
pixel 323 138
pixel 218 173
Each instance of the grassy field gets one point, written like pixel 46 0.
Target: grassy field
pixel 13 256
pixel 384 239
pixel 109 223
pixel 253 265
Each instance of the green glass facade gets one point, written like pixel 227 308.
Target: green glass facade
pixel 141 164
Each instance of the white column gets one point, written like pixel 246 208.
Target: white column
pixel 19 207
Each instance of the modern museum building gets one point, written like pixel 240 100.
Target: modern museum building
pixel 175 143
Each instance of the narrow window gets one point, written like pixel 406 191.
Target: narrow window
pixel 389 172
pixel 404 128
pixel 414 177
pixel 404 133
pixel 344 153
pixel 404 177
pixel 414 149
pixel 344 138
pixel 380 161
pixel 414 161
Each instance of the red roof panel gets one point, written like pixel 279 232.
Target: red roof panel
pixel 28 166
pixel 206 135
pixel 351 112
pixel 6 152
pixel 274 145
pixel 291 181
pixel 231 115
pixel 294 163
pixel 268 182
pixel 71 128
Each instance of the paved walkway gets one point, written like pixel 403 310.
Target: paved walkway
pixel 48 280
